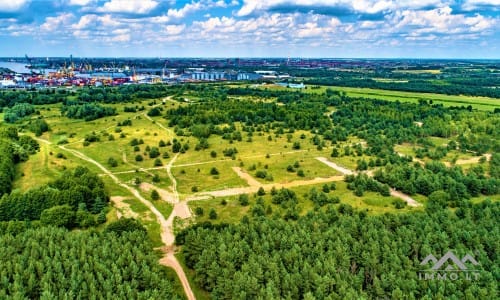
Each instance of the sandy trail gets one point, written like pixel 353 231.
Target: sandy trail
pixel 167 235
pixel 254 188
pixel 335 166
pixel 165 195
pixel 409 200
pixel 247 177
pixel 123 209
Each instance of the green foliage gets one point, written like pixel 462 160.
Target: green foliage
pixel 212 215
pixel 214 171
pixel 13 149
pixel 243 199
pixel 52 263
pixel 154 112
pixel 199 211
pixel 17 112
pixel 154 152
pixel 87 111
pixel 123 225
pixel 367 257
pixel 112 162
pixel 72 188
pixel 155 195
pixel 59 216
pixel 38 126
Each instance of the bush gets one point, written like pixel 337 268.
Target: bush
pixel 112 162
pixel 139 157
pixel 214 171
pixel 155 195
pixel 198 211
pixel 158 163
pixel 399 204
pixel 125 225
pixel 156 178
pixel 212 214
pixel 59 216
pixel 243 199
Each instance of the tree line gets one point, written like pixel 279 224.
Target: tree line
pixel 337 252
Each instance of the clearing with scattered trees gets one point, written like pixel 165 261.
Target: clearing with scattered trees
pixel 245 192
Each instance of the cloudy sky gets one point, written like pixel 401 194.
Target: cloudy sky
pixel 251 28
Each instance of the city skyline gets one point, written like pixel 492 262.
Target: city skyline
pixel 251 28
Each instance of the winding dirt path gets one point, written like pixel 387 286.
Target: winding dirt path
pixel 247 177
pixel 168 167
pixel 335 166
pixel 409 200
pixel 180 210
pixel 164 195
pixel 167 235
pixel 254 188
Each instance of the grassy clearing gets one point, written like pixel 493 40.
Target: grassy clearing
pixel 45 166
pixel 432 71
pixel 481 103
pixel 163 207
pixel 277 167
pixel 114 189
pixel 199 176
pixel 129 178
pixel 482 198
pixel 233 211
pixel 148 220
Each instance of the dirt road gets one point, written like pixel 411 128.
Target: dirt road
pixel 254 188
pixel 335 166
pixel 247 177
pixel 409 200
pixel 167 235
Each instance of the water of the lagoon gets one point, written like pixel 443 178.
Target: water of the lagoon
pixel 16 67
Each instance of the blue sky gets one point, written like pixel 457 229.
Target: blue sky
pixel 251 28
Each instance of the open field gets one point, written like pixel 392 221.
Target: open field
pixel 481 103
pixel 232 211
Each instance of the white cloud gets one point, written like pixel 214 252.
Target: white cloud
pixel 129 6
pixel 54 23
pixel 187 9
pixel 95 21
pixel 475 4
pixel 441 20
pixel 175 29
pixel 121 38
pixel 358 6
pixel 195 6
pixel 80 2
pixel 12 5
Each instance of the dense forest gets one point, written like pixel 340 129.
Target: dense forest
pixel 53 263
pixel 338 253
pixel 14 148
pixel 480 81
pixel 71 200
